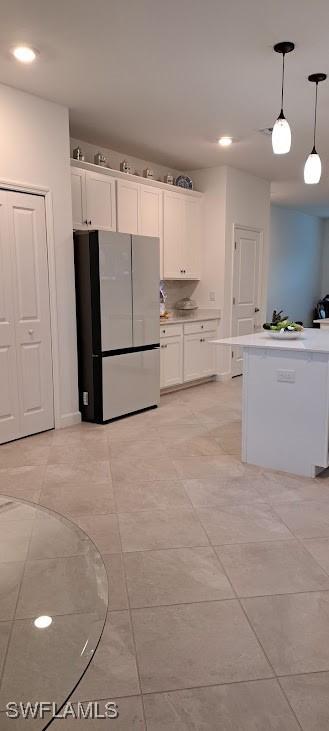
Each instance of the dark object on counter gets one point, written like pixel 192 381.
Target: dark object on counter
pixel 321 311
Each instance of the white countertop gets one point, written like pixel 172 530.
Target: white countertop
pixel 323 321
pixel 193 316
pixel 312 340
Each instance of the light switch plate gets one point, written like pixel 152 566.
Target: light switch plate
pixel 286 376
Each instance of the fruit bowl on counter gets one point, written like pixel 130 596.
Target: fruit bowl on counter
pixel 281 328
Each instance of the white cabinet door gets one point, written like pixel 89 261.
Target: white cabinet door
pixel 208 353
pixel 173 235
pixel 182 224
pixel 78 186
pixel 192 240
pixel 199 355
pixel 27 239
pixel 9 402
pixel 151 216
pixel 171 361
pixel 193 356
pixel 100 197
pixel 128 214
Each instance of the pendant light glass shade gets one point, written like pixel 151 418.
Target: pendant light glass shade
pixel 312 169
pixel 281 136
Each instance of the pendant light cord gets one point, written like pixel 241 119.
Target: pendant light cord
pixel 315 110
pixel 282 85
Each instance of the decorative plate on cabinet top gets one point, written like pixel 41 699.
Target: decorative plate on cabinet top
pixel 183 181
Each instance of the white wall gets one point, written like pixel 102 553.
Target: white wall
pixel 114 158
pixel 34 149
pixel 295 264
pixel 325 259
pixel 232 198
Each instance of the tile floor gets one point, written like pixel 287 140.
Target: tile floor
pixel 218 571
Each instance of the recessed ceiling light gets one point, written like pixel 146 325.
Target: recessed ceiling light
pixel 42 622
pixel 24 54
pixel 225 141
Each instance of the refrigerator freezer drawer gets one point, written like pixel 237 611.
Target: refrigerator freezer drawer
pixel 131 382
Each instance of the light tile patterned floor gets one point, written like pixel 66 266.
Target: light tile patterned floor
pixel 218 571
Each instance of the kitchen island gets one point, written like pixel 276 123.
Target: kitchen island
pixel 285 411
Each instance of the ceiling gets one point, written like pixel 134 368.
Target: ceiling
pixel 163 79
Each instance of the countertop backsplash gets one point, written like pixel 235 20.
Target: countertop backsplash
pixel 176 290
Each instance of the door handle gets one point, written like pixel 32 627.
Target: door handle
pixel 256 309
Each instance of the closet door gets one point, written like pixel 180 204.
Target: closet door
pixel 27 240
pixel 9 403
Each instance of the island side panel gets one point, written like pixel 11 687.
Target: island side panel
pixel 286 410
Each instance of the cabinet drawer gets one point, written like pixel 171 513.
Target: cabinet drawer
pixel 167 331
pixel 199 327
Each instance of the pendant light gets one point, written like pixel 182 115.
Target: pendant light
pixel 312 168
pixel 281 134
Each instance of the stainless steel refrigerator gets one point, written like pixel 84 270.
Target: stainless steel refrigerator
pixel 117 295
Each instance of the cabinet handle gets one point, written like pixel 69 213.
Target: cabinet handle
pixel 86 222
pixel 202 326
pixel 164 332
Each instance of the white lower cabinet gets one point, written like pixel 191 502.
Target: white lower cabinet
pixel 199 355
pixel 186 353
pixel 171 361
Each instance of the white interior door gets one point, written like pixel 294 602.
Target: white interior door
pixel 246 289
pixel 9 402
pixel 25 258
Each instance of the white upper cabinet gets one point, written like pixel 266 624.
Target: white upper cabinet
pixel 104 201
pixel 173 235
pixel 193 233
pixel 151 216
pixel 100 196
pixel 78 186
pixel 128 194
pixel 182 236
pixel 150 211
pixel 93 200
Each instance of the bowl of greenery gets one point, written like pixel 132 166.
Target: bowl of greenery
pixel 282 328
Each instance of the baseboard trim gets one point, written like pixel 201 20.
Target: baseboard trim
pixel 187 384
pixel 223 377
pixel 69 420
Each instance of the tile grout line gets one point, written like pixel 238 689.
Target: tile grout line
pixel 133 632
pixel 259 642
